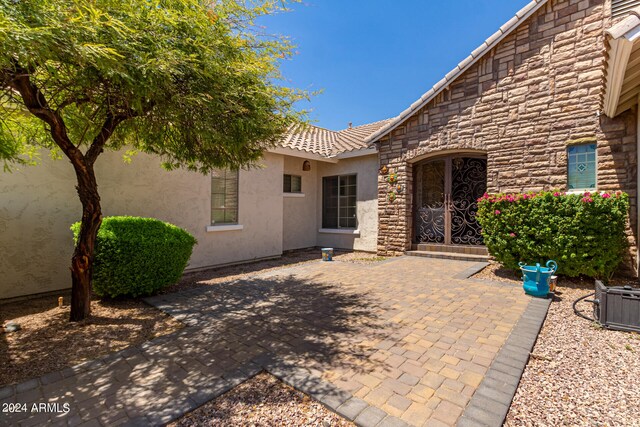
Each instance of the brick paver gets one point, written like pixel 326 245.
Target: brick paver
pixel 406 341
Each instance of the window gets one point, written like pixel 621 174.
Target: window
pixel 224 196
pixel 292 184
pixel 339 202
pixel 582 167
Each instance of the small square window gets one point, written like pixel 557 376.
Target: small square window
pixel 582 167
pixel 292 184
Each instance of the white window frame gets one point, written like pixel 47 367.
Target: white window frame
pixel 223 226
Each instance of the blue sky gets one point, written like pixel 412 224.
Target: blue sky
pixel 373 58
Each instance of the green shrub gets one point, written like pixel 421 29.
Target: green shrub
pixel 138 256
pixel 584 233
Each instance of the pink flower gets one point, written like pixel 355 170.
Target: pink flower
pixel 587 199
pixel 586 194
pixel 606 196
pixel 512 234
pixel 497 212
pixel 556 194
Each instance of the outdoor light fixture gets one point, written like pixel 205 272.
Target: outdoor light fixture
pixel 306 166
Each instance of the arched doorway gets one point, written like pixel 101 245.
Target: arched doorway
pixel 445 204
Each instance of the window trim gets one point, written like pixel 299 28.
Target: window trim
pixel 348 230
pixel 582 190
pixel 220 225
pixel 291 182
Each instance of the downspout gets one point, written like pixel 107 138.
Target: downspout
pixel 638 185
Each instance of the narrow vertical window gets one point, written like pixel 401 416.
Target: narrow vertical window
pixel 582 167
pixel 339 198
pixel 224 196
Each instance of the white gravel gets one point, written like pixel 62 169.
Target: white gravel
pixel 262 401
pixel 579 374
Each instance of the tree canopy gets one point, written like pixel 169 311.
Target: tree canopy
pixel 190 80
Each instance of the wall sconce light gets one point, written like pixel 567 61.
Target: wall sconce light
pixel 306 166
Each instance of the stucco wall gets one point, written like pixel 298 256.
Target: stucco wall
pixel 366 168
pixel 536 91
pixel 38 204
pixel 299 225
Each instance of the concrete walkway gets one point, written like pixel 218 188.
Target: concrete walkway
pixel 408 341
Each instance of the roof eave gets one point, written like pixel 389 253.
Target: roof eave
pixel 355 153
pixel 286 151
pixel 621 39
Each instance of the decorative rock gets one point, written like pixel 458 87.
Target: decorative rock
pixel 12 327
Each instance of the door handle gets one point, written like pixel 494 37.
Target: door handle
pixel 448 202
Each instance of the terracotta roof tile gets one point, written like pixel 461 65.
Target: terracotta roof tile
pixel 325 142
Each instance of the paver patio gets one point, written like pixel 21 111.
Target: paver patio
pixel 404 340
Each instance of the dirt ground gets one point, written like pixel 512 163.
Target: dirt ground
pixel 262 401
pixel 579 373
pixel 48 342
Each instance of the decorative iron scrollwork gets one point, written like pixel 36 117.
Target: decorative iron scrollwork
pixel 438 212
pixel 431 223
pixel 468 183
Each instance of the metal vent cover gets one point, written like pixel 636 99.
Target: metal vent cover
pixel 621 7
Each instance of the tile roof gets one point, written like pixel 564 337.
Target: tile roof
pixel 328 143
pixel 463 66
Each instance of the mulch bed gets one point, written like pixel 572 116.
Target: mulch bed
pixel 578 373
pixel 212 276
pixel 262 401
pixel 48 342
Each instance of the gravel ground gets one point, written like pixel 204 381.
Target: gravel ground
pixel 217 275
pixel 48 342
pixel 262 401
pixel 579 374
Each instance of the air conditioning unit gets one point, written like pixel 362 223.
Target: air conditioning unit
pixel 617 307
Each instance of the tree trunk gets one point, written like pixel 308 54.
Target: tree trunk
pixel 82 260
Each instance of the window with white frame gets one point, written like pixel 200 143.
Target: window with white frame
pixel 339 196
pixel 224 196
pixel 292 184
pixel 582 167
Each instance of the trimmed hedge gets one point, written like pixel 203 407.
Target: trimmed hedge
pixel 584 233
pixel 138 256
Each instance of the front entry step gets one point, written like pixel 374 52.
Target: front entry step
pixel 458 249
pixel 449 255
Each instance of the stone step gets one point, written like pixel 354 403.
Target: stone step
pixel 458 249
pixel 449 255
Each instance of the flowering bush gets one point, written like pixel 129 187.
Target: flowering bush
pixel 584 233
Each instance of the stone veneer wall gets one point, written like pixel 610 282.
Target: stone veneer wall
pixel 521 104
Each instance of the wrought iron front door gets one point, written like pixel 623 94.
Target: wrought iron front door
pixel 447 190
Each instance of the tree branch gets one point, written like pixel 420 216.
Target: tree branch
pixel 109 126
pixel 19 80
